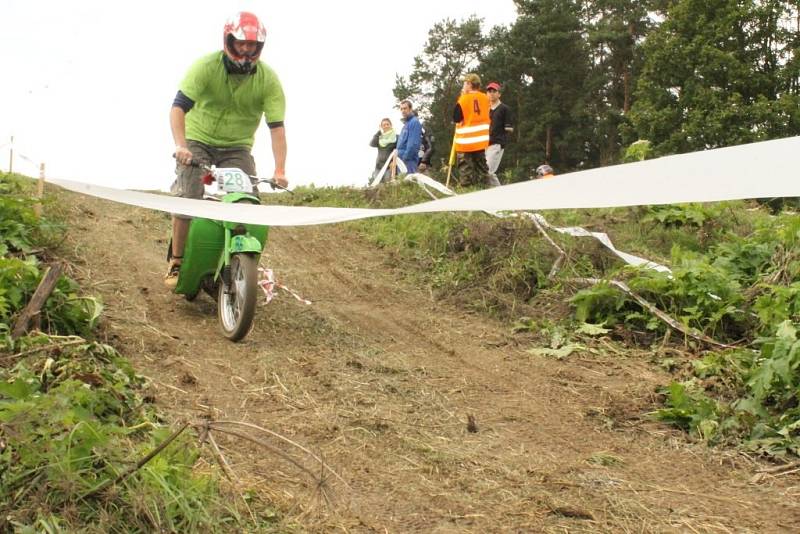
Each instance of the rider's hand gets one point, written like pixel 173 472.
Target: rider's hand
pixel 280 179
pixel 183 155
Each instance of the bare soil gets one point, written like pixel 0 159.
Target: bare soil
pixel 437 419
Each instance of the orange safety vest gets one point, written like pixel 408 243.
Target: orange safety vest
pixel 472 133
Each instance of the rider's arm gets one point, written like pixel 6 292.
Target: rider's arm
pixel 278 135
pixel 177 123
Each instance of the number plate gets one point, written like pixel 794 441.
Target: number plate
pixel 233 181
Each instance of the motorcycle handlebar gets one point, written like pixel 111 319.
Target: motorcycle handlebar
pixel 271 181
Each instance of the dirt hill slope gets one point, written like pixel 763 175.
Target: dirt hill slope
pixel 381 380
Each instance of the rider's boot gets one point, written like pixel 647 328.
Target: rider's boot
pixel 174 269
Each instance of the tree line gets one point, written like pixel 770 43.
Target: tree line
pixel 588 78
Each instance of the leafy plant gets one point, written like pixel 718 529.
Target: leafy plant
pixel 679 215
pixel 20 229
pixel 691 410
pixel 76 419
pixel 73 414
pixel 758 392
pixel 65 312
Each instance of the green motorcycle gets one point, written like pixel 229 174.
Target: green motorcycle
pixel 221 258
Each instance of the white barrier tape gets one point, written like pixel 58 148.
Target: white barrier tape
pixel 26 158
pixel 376 178
pixel 268 284
pixel 423 180
pixel 401 168
pixel 708 176
pixel 577 231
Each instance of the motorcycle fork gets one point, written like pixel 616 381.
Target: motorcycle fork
pixel 241 242
pixel 224 266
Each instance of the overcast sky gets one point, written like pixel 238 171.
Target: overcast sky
pixel 86 86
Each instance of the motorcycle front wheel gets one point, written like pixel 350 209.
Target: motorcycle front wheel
pixel 236 303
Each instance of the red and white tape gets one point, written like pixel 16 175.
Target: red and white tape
pixel 268 284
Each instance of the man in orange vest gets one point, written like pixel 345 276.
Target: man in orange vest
pixel 471 116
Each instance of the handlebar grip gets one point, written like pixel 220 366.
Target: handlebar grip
pixel 192 163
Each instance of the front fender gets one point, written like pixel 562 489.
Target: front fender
pixel 245 243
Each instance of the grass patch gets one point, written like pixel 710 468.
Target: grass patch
pixel 74 415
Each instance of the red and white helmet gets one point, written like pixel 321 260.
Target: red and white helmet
pixel 243 26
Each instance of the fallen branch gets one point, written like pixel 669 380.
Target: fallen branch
pixel 44 348
pixel 138 465
pixel 266 446
pixel 691 332
pixel 40 296
pixel 287 440
pixel 781 469
pixel 223 463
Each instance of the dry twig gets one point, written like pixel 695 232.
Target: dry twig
pixel 138 465
pixel 43 348
pixel 283 438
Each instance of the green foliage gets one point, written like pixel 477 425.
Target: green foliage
pixel 729 292
pixel 760 392
pixel 696 293
pixel 585 79
pixel 65 312
pixel 778 304
pixel 77 418
pixel 638 151
pixel 601 304
pixel 716 73
pixel 691 410
pixel 20 230
pixel 679 215
pixel 73 414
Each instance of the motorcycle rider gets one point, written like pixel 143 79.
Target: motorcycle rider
pixel 215 114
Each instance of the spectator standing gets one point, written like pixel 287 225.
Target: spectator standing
pixel 501 126
pixel 410 137
pixel 385 140
pixel 471 116
pixel 425 150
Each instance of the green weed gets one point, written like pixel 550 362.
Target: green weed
pixel 74 415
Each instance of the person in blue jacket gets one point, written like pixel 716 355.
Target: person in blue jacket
pixel 410 138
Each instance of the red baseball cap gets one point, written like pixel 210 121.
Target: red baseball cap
pixel 493 85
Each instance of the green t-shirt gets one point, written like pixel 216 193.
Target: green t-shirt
pixel 228 107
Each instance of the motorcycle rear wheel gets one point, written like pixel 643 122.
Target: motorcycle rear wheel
pixel 236 302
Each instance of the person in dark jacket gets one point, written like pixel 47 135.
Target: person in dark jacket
pixel 385 140
pixel 425 150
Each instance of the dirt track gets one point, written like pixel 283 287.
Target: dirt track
pixel 380 379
